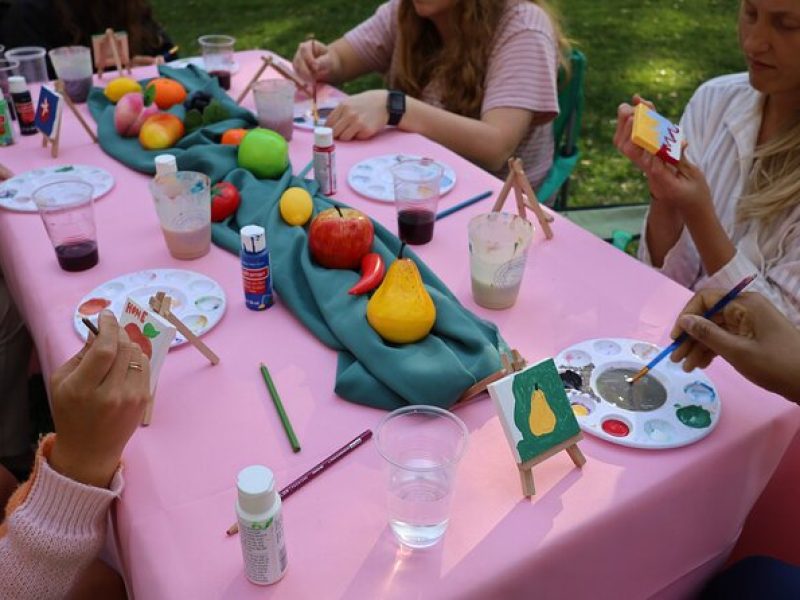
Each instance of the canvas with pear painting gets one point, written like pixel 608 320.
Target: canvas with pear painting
pixel 534 410
pixel 151 332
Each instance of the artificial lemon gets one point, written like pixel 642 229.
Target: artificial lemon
pixel 120 86
pixel 296 206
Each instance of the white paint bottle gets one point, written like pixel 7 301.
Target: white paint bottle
pixel 258 511
pixel 325 160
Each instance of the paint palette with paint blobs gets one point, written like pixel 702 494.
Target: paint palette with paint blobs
pixel 197 300
pixel 373 177
pixel 667 408
pixel 16 193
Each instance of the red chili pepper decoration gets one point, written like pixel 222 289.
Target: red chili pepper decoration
pixel 372 271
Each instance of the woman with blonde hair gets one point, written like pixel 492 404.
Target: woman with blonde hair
pixel 477 76
pixel 733 206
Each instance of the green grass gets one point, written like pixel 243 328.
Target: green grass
pixel 662 49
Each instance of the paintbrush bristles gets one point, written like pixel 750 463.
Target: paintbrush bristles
pixel 639 375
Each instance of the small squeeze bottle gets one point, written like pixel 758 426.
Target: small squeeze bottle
pixel 325 160
pixel 258 512
pixel 256 271
pixel 23 105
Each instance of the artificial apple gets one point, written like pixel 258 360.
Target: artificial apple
pixel 131 111
pixel 160 131
pixel 224 200
pixel 138 337
pixel 264 153
pixel 339 237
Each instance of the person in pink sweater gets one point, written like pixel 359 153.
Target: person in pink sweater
pixel 55 522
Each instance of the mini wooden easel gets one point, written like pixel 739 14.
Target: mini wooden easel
pixel 524 195
pixel 161 304
pixel 526 468
pixel 118 46
pixel 266 61
pixel 514 364
pixel 59 85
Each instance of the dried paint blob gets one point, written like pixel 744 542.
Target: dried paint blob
pixel 659 431
pixel 93 306
pixel 577 358
pixel 582 404
pixel 607 347
pixel 693 416
pixel 208 303
pixel 579 409
pixel 616 427
pixel 571 380
pixel 645 395
pixel 700 392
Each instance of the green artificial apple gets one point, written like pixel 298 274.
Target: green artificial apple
pixel 264 153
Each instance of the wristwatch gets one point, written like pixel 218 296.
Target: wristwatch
pixel 396 106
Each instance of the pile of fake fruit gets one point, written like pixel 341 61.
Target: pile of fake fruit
pixel 400 310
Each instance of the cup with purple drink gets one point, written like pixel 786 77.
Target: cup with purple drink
pixel 73 66
pixel 67 211
pixel 275 105
pixel 416 196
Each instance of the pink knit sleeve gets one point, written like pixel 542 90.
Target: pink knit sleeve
pixel 373 40
pixel 53 535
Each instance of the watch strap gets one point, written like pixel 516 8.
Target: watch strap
pixel 395 106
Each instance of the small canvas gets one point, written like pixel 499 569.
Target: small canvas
pixel 151 332
pixel 48 112
pixel 103 53
pixel 534 410
pixel 656 134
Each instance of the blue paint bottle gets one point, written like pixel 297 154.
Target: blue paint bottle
pixel 256 271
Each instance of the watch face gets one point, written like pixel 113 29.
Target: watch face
pixel 397 102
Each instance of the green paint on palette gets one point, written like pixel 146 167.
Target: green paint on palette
pixel 694 416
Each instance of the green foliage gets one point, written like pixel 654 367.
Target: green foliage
pixel 662 49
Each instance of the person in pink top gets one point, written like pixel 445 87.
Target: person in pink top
pixel 477 76
pixel 56 521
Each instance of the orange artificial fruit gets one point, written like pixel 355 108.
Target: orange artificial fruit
pixel 168 92
pixel 233 137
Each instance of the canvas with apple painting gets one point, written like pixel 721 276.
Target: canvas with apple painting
pixel 151 332
pixel 537 418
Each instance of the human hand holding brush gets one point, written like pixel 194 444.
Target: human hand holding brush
pixel 750 333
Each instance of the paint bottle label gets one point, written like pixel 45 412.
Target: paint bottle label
pixel 6 131
pixel 264 549
pixel 26 113
pixel 256 272
pixel 325 169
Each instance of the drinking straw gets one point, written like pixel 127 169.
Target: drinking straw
pixel 457 207
pixel 316 470
pixel 722 303
pixel 276 399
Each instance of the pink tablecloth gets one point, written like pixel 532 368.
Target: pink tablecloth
pixel 631 524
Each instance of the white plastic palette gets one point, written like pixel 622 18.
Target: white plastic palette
pixel 691 410
pixel 372 177
pixel 17 193
pixel 197 300
pixel 304 118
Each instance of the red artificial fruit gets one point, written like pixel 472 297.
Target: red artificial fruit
pixel 225 200
pixel 137 337
pixel 372 272
pixel 338 238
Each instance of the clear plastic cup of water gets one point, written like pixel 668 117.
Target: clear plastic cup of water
pixel 422 446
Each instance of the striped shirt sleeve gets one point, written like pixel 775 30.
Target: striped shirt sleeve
pixel 374 39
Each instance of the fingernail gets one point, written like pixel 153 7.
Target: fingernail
pixel 686 322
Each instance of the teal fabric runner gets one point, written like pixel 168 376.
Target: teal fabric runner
pixel 460 350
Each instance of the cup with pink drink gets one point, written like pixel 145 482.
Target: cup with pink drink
pixel 183 204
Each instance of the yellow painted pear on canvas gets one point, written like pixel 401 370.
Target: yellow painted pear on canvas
pixel 401 310
pixel 541 420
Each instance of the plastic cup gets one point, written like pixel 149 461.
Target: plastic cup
pixel 73 66
pixel 275 105
pixel 416 197
pixel 32 63
pixel 7 69
pixel 183 204
pixel 498 249
pixel 422 446
pixel 217 53
pixel 67 210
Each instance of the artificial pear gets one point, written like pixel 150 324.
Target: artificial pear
pixel 401 310
pixel 541 420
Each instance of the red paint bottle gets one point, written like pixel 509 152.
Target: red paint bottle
pixel 23 104
pixel 325 160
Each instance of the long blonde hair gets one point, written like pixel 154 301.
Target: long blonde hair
pixel 461 66
pixel 773 187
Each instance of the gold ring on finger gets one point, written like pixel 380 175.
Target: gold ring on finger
pixel 135 366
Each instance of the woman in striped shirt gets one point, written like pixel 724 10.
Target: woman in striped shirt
pixel 733 208
pixel 477 76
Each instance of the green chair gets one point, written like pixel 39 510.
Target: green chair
pixel 554 190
